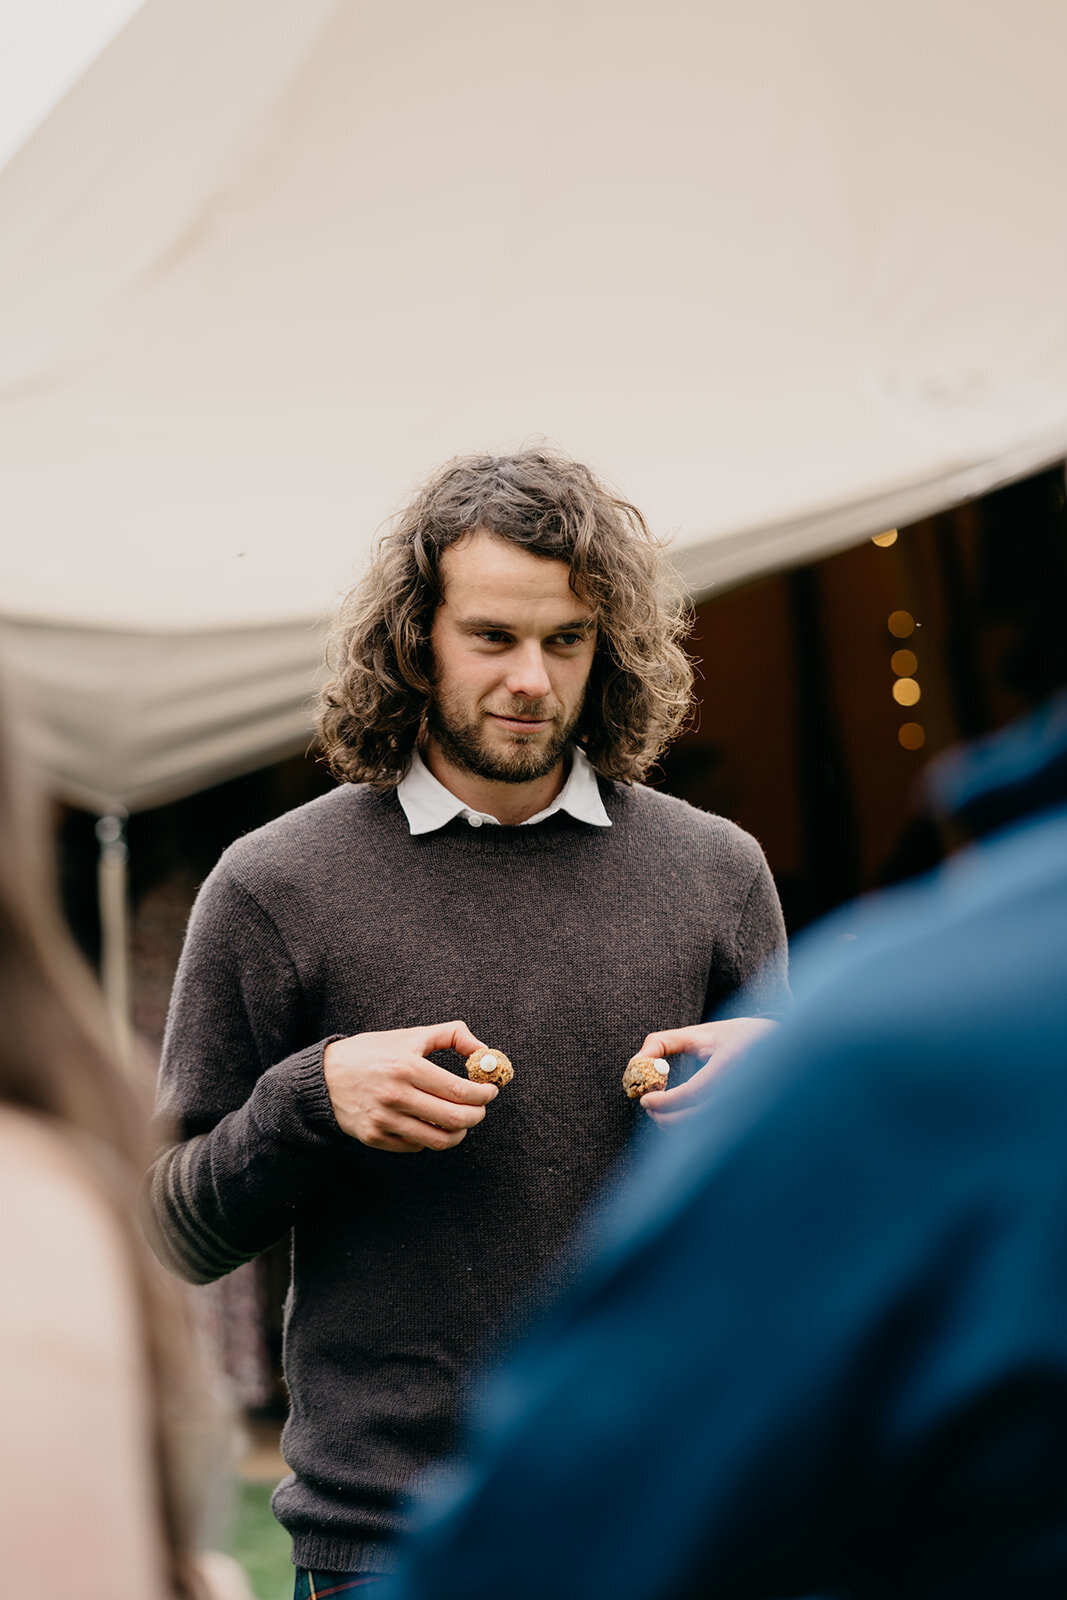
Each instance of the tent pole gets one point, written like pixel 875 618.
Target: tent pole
pixel 112 897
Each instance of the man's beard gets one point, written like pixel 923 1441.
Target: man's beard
pixel 463 742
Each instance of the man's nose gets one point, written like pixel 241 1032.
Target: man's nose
pixel 527 678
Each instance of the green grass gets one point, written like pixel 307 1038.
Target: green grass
pixel 261 1544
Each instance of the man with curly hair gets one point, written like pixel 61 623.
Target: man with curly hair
pixel 503 677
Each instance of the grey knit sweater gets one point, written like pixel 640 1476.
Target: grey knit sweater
pixel 560 943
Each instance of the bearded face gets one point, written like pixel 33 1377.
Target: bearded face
pixel 513 648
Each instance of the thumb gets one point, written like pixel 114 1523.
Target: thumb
pixel 682 1094
pixel 449 1036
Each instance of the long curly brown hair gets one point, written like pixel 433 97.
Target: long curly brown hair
pixel 641 684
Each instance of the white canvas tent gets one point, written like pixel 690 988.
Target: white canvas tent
pixel 788 273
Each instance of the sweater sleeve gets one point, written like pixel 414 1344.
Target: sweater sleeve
pixel 243 1086
pixel 761 952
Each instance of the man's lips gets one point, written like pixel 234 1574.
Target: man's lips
pixel 521 724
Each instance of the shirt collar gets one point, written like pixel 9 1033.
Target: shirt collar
pixel 428 805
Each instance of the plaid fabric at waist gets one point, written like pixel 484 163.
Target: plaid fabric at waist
pixel 320 1585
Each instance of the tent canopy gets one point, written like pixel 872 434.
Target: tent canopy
pixel 786 273
pixel 45 46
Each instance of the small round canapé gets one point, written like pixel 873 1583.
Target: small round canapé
pixel 643 1074
pixel 489 1066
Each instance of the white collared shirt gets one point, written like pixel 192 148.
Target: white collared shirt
pixel 428 805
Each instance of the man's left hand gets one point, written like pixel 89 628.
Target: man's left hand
pixel 720 1042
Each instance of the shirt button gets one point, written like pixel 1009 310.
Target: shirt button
pixel 475 822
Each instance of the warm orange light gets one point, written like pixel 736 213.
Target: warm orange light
pixel 905 663
pixel 884 540
pixel 901 624
pixel 912 736
pixel 906 692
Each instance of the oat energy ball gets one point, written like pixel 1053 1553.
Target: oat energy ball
pixel 643 1074
pixel 490 1066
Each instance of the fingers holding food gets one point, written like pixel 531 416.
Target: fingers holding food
pixel 643 1075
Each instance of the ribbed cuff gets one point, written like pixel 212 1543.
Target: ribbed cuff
pixel 309 1085
pixel 322 1554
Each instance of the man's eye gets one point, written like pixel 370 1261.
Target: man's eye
pixel 569 639
pixel 493 638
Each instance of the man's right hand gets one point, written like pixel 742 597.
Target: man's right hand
pixel 388 1096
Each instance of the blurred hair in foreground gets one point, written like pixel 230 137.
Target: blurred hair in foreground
pixel 75 1124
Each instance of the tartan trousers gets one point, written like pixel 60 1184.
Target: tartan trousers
pixel 320 1585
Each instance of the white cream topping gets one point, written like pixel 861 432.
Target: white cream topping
pixel 487 1064
pixel 657 1066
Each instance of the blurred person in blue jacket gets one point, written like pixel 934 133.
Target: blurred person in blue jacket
pixel 820 1344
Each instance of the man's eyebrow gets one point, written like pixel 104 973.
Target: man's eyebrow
pixel 487 625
